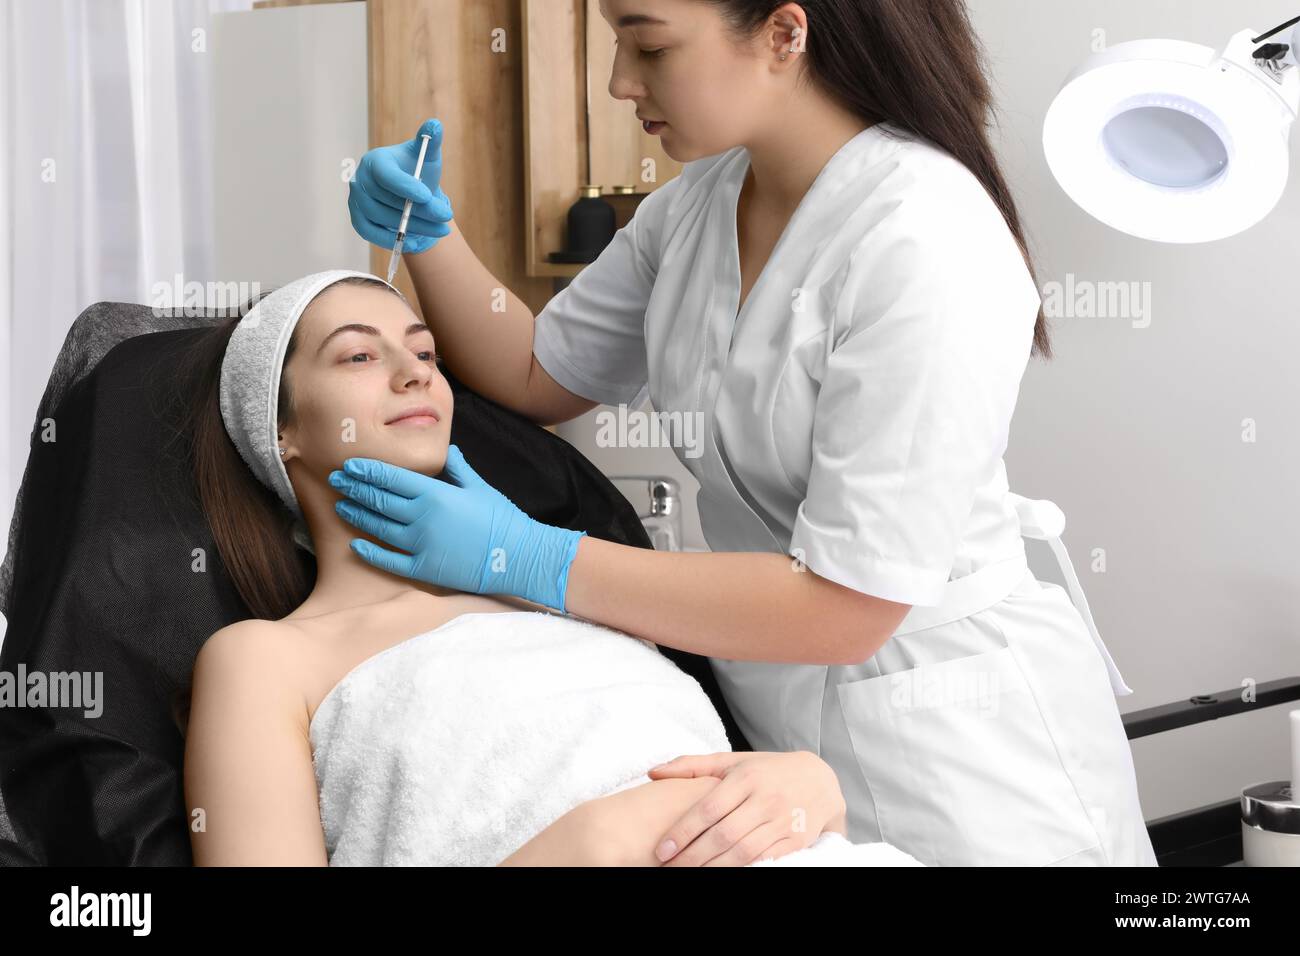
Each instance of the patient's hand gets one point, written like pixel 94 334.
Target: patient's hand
pixel 619 829
pixel 767 805
pixel 794 796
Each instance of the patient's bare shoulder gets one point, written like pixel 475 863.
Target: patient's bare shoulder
pixel 263 640
pixel 248 760
pixel 257 652
pixel 246 630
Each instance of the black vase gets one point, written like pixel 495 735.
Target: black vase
pixel 591 225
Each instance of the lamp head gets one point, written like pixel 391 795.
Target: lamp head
pixel 1171 141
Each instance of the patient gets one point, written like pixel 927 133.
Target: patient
pixel 365 718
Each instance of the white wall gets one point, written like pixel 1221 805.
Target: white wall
pixel 289 111
pixel 1137 432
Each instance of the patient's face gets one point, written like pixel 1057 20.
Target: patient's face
pixel 362 359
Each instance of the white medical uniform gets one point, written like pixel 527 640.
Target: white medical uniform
pixel 855 413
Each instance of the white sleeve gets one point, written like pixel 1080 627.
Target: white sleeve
pixel 915 406
pixel 590 337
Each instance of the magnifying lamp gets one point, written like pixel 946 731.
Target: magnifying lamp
pixel 1175 142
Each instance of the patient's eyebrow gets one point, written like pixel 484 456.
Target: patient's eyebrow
pixel 369 330
pixel 640 19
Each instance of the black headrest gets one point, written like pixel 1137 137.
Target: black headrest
pixel 100 578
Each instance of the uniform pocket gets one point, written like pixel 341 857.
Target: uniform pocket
pixel 961 765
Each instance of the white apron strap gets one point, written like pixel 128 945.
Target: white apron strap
pixel 968 595
pixel 1043 520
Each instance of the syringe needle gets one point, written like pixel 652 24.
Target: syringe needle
pixel 392 260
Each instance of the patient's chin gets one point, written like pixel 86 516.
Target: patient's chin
pixel 415 449
pixel 426 460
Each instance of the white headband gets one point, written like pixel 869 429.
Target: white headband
pixel 250 381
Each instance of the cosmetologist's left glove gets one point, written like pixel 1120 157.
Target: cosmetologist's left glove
pixel 459 533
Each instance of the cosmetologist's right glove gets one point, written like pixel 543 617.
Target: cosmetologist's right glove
pixel 385 179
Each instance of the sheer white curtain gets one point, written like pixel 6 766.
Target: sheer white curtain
pixel 105 177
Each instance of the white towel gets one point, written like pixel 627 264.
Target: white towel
pixel 459 745
pixel 833 849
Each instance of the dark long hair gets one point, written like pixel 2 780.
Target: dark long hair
pixel 915 63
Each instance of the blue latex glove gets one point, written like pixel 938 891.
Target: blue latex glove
pixel 385 180
pixel 460 533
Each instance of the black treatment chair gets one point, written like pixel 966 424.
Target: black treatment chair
pixel 98 577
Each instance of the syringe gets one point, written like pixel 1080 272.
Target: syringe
pixel 406 215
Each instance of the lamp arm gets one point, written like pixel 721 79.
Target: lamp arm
pixel 1275 30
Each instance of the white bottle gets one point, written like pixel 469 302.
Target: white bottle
pixel 1270 815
